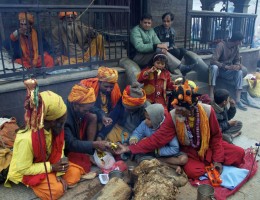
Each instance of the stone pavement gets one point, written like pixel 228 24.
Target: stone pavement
pixel 86 189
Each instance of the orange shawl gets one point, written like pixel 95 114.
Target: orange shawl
pixel 204 131
pixel 27 52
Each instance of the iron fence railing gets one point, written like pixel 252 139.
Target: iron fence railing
pixel 208 27
pixel 110 22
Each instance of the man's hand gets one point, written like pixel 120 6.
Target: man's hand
pixel 60 166
pixel 64 183
pixel 237 67
pixel 218 166
pixel 101 145
pixel 121 149
pixel 232 102
pixel 107 121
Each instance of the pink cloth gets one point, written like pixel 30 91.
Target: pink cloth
pixel 222 193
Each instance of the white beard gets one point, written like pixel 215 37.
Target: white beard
pixel 70 30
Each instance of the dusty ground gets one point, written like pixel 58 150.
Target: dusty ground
pixel 86 189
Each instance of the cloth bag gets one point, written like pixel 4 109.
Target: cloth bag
pixel 8 129
pixel 254 87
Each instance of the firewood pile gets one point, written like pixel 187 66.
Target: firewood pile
pixel 157 181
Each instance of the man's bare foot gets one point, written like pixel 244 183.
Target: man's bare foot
pixel 236 134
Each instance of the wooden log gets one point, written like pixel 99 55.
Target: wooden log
pixel 115 189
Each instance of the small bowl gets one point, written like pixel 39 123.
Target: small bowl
pixel 115 173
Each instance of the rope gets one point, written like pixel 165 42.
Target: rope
pixel 85 9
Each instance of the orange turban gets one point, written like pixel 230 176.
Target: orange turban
pixel 133 96
pixel 106 74
pixel 63 14
pixel 82 95
pixel 26 16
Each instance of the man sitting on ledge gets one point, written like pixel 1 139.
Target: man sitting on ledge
pixel 225 63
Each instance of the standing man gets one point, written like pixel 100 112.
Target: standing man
pixel 198 132
pixel 106 88
pixel 225 63
pixel 38 149
pixel 26 38
pixel 74 42
pixel 146 43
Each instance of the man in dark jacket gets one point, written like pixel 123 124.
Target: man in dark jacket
pixel 225 110
pixel 81 126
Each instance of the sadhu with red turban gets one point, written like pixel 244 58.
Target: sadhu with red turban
pixel 106 88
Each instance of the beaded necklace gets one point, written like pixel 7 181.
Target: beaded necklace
pixel 197 129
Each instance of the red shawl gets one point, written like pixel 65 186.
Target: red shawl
pixel 56 152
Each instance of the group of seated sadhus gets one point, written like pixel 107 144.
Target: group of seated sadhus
pixel 96 114
pixel 72 41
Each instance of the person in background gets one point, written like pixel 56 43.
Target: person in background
pixel 170 153
pixel 225 63
pixel 146 43
pixel 157 80
pixel 166 34
pixel 27 39
pixel 74 42
pixel 198 133
pixel 38 149
pixel 225 110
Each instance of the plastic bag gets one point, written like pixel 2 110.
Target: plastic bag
pixel 103 159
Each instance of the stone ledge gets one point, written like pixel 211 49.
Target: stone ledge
pixel 54 79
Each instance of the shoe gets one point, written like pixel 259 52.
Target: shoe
pixel 241 106
pixel 184 69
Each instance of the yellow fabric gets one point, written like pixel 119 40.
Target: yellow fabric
pixel 116 134
pixel 82 95
pixel 254 87
pixel 26 16
pixel 22 160
pixel 106 74
pixel 54 106
pixel 104 102
pixel 97 49
pixel 204 131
